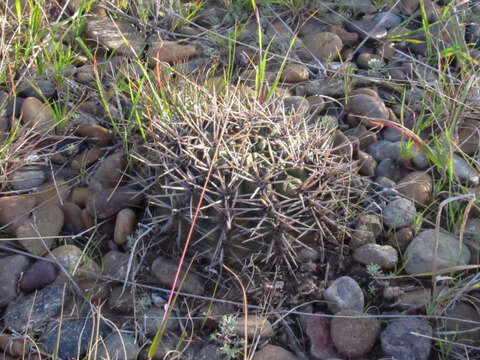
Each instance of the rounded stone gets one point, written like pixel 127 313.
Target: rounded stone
pixel 416 186
pixel 115 35
pixel 11 268
pixel 387 19
pixel 73 218
pixel 400 342
pixel 86 158
pixel 398 213
pixel 391 134
pixel 165 269
pixel 37 115
pixel 118 346
pixel 294 73
pixel 38 88
pixel 296 105
pixel 384 149
pixel 107 203
pixel 387 168
pixel 38 233
pixel 420 161
pixel 368 61
pixel 324 45
pixel 367 164
pixel 115 264
pixel 40 274
pixel 466 174
pixel 34 310
pixel 273 352
pixel 420 253
pixel 367 109
pixel 74 260
pixel 317 104
pixel 53 193
pixel 69 339
pixel 124 226
pixel 151 320
pixel 401 238
pixel 26 178
pixel 317 328
pixel 80 196
pixel 14 210
pixel 343 294
pixel 111 170
pixel 95 133
pixel 463 332
pixel 361 237
pixel 122 300
pixel 384 256
pixel 169 52
pixel 354 337
pixel 257 327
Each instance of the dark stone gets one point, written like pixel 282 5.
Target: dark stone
pixel 75 335
pixel 39 274
pixel 39 89
pixel 32 311
pixel 399 342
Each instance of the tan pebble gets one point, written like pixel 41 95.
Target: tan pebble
pixel 324 45
pixel 273 352
pixel 355 336
pixel 111 170
pixel 57 193
pixel 110 201
pixel 88 221
pixel 85 76
pixel 367 61
pixel 317 104
pixel 15 346
pixel 37 115
pixel 401 238
pixel 294 73
pixel 86 158
pixel 40 230
pixel 80 195
pixel 73 217
pixel 367 109
pixel 169 51
pixel 165 269
pixel 96 133
pixel 124 225
pixel 14 210
pixel 367 164
pixel 75 261
pixel 348 38
pixel 416 186
pixel 257 326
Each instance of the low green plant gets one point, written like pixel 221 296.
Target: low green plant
pixel 230 345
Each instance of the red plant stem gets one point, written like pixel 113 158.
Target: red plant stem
pixel 417 142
